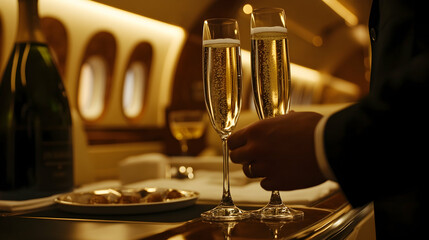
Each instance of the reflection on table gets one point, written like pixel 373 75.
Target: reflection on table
pixel 327 212
pixel 331 216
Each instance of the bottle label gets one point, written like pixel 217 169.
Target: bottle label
pixel 55 154
pixel 40 163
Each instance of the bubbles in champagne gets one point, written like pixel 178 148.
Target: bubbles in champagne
pixel 222 73
pixel 270 71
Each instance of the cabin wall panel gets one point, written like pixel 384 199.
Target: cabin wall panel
pixel 83 19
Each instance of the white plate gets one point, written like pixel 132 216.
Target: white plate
pixel 76 202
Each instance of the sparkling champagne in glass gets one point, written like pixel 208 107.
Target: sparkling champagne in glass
pixel 186 125
pixel 222 91
pixel 271 85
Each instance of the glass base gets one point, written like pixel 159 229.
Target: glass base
pixel 225 213
pixel 277 212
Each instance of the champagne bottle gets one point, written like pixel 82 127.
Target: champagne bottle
pixel 36 152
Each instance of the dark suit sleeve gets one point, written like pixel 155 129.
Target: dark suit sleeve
pixel 379 147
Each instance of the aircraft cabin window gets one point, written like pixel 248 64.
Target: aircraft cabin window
pixel 134 89
pixel 136 81
pixel 92 86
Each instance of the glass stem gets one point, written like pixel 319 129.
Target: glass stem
pixel 275 198
pixel 184 147
pixel 226 195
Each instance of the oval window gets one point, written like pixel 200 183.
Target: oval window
pixel 133 90
pixel 92 85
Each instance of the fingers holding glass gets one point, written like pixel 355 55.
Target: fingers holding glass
pixel 271 85
pixel 255 170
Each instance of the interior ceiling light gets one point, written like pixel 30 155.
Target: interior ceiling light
pixel 342 11
pixel 247 8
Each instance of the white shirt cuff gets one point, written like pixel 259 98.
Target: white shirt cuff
pixel 320 149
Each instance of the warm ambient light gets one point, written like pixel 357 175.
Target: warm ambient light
pixel 312 76
pixel 298 72
pixel 317 41
pixel 305 74
pixel 247 8
pixel 342 11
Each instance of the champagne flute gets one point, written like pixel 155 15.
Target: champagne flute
pixel 271 85
pixel 222 92
pixel 186 125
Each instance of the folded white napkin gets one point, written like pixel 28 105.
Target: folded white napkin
pixel 243 190
pixel 15 206
pixel 147 170
pixel 24 205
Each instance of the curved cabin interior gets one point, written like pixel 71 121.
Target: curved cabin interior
pixel 127 64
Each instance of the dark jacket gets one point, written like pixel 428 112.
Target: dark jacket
pixel 378 148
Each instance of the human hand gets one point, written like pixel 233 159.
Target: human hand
pixel 280 150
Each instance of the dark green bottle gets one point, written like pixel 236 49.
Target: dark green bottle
pixel 36 152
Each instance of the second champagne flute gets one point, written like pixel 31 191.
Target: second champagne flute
pixel 271 86
pixel 222 92
pixel 186 125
